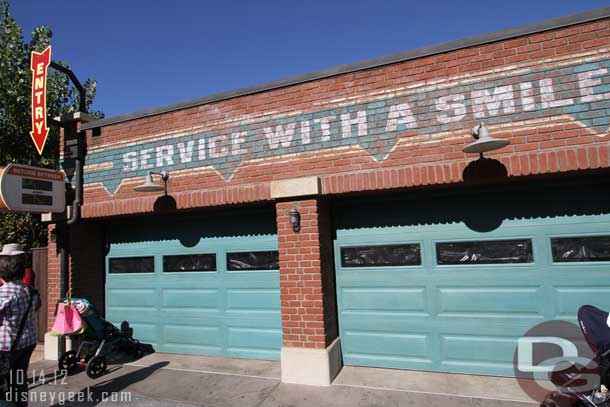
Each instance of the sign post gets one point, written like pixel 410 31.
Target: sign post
pixel 39 64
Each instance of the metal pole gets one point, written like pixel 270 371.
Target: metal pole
pixel 75 217
pixel 63 279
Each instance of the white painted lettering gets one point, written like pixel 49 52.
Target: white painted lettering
pixel 347 122
pixel 185 151
pixel 237 139
pixel 527 96
pixel 145 155
pixel 483 99
pixel 400 117
pixel 281 135
pixel 131 161
pixel 586 83
pixel 201 149
pixel 305 132
pixel 164 154
pixel 453 104
pixel 218 146
pixel 325 126
pixel 547 95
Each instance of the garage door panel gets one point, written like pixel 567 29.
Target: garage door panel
pixel 191 335
pixel 569 299
pixel 399 345
pixel 411 299
pixel 252 279
pixel 384 278
pixel 253 299
pixel 391 362
pixel 253 319
pixel 188 298
pixel 391 322
pixel 191 349
pixel 132 314
pixel 489 300
pixel 132 297
pixel 486 349
pixel 258 339
pixel 195 316
pixel 148 333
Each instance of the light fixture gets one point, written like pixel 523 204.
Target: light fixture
pixel 150 186
pixel 483 141
pixel 295 219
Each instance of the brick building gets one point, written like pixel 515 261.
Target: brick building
pixel 410 253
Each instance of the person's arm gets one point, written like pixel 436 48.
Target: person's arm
pixel 5 303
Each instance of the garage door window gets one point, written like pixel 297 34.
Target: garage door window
pixel 580 249
pixel 381 256
pixel 186 263
pixel 485 252
pixel 263 260
pixel 131 265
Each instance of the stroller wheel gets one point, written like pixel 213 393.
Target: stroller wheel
pixel 68 361
pixel 96 366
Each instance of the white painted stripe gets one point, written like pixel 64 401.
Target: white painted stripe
pixel 208 372
pixel 433 393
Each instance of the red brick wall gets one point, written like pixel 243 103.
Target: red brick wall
pixel 305 271
pixel 53 267
pixel 86 267
pixel 548 146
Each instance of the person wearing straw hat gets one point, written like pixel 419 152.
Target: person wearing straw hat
pixel 18 325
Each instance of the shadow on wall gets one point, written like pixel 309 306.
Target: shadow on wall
pixel 482 207
pixel 190 228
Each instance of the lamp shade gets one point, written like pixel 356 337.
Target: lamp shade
pixel 484 142
pixel 149 185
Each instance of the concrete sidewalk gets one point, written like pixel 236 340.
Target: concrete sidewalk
pixel 180 380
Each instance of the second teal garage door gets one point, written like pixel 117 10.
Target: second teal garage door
pixel 442 297
pixel 209 296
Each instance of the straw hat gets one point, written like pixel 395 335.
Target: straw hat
pixel 12 249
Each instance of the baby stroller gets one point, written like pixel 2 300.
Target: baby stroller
pixel 99 339
pixel 594 324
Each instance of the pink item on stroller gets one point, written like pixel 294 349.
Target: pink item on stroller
pixel 68 320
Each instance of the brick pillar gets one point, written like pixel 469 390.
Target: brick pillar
pixel 53 267
pixel 311 353
pixel 86 273
pixel 51 342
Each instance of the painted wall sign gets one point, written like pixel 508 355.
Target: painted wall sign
pixel 579 90
pixel 39 64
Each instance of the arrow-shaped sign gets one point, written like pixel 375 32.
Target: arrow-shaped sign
pixel 39 63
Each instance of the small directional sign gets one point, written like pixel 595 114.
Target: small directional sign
pixel 32 189
pixel 39 63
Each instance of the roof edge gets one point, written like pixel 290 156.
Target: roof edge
pixel 528 29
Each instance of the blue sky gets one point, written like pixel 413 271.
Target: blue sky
pixel 150 53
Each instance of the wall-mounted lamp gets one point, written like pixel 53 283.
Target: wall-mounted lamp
pixel 483 141
pixel 295 219
pixel 150 186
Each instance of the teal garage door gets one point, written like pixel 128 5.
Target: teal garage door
pixel 210 296
pixel 443 297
